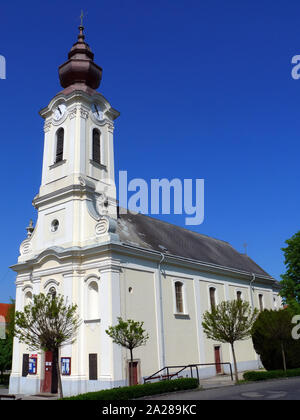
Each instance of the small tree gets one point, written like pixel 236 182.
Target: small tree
pixel 229 322
pixel 290 283
pixel 48 324
pixel 129 334
pixel 272 339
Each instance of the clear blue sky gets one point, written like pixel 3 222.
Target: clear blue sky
pixel 204 89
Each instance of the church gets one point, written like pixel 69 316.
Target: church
pixel 112 263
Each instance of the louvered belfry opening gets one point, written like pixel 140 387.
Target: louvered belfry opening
pixel 96 146
pixel 59 145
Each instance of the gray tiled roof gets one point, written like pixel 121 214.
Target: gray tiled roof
pixel 146 232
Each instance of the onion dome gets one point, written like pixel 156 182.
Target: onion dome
pixel 80 72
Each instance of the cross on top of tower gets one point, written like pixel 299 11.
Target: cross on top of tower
pixel 81 18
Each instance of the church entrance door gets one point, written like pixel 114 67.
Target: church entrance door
pixel 50 379
pixel 218 360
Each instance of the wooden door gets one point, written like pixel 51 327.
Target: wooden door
pixel 133 373
pixel 218 359
pixel 50 378
pixel 48 372
pixel 93 367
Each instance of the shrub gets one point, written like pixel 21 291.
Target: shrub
pixel 271 374
pixel 4 379
pixel 137 391
pixel 267 341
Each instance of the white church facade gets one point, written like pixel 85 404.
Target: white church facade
pixel 112 264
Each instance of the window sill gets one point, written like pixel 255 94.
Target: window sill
pixel 92 321
pixel 55 165
pixel 98 165
pixel 181 316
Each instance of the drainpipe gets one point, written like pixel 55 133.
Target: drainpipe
pixel 252 303
pixel 162 332
pixel 251 290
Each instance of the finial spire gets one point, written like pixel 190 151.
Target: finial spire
pixel 81 18
pixel 81 27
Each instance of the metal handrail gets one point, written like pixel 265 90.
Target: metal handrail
pixel 183 367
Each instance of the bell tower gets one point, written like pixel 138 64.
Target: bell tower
pixel 76 202
pixel 68 251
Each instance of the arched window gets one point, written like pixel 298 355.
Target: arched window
pixel 239 295
pixel 96 146
pixel 93 300
pixel 28 298
pixel 261 302
pixel 59 145
pixel 212 297
pixel 179 297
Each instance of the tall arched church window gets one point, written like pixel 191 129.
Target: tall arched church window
pixel 93 300
pixel 179 297
pixel 261 302
pixel 212 297
pixel 96 146
pixel 239 295
pixel 60 134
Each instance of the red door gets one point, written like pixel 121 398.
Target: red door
pixel 46 387
pixel 133 373
pixel 50 379
pixel 218 359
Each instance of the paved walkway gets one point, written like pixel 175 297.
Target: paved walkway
pixel 4 391
pixel 275 389
pixel 218 381
pixel 215 382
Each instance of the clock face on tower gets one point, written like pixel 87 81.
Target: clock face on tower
pixel 96 110
pixel 59 111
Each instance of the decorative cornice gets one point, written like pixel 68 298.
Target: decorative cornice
pixel 69 273
pixel 27 286
pixel 91 276
pixel 51 281
pixel 79 96
pixel 82 187
pixel 127 250
pixel 110 266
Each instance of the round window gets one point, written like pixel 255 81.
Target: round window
pixel 54 225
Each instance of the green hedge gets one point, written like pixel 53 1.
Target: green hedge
pixel 137 391
pixel 4 379
pixel 271 374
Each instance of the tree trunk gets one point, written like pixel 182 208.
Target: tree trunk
pixel 59 384
pixel 131 369
pixel 235 364
pixel 283 357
